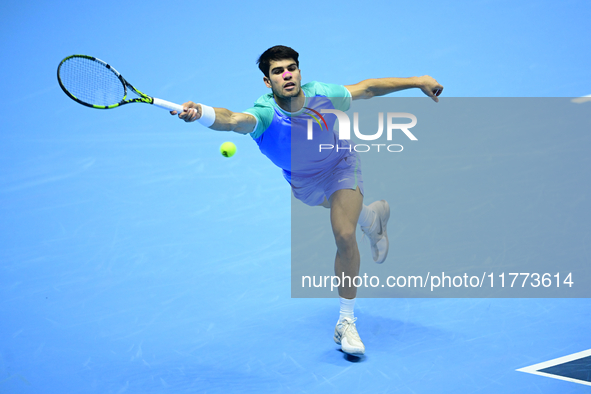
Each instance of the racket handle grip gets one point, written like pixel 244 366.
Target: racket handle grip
pixel 167 105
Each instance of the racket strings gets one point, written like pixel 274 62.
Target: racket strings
pixel 91 81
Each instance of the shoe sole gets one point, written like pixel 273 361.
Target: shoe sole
pixel 353 354
pixel 350 353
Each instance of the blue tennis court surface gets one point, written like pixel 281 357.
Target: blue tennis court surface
pixel 134 258
pixel 145 262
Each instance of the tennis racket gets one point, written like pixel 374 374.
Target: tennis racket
pixel 92 82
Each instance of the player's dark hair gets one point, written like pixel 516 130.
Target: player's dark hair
pixel 276 53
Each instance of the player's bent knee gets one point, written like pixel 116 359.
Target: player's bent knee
pixel 345 238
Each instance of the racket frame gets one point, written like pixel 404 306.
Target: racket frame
pixel 144 98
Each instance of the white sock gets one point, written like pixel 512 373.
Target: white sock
pixel 347 307
pixel 366 217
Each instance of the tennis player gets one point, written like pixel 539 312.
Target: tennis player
pixel 333 179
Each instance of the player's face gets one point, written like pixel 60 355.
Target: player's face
pixel 284 78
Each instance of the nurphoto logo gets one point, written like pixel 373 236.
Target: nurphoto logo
pixel 345 130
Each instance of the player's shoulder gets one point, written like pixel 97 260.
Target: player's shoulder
pixel 263 107
pixel 316 88
pixel 263 111
pixel 266 100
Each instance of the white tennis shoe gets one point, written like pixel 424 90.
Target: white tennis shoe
pixel 376 232
pixel 345 334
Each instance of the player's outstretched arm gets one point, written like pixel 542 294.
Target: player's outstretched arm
pixel 225 120
pixel 381 86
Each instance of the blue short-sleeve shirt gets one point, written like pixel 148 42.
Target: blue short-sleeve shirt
pixel 278 131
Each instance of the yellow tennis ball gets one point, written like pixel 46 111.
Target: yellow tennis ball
pixel 228 149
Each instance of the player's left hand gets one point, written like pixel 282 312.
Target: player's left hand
pixel 430 87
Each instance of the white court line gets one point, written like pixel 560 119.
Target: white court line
pixel 580 100
pixel 534 369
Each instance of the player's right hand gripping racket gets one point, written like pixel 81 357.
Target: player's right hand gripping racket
pixel 92 82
